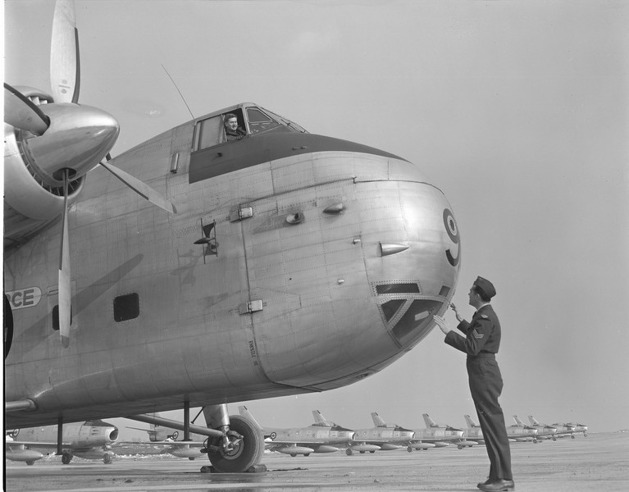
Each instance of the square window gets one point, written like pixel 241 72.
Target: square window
pixel 126 307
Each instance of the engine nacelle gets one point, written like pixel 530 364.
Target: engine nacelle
pixel 30 201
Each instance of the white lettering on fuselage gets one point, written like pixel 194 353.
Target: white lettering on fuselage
pixel 24 298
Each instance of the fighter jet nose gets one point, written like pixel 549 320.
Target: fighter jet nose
pixel 78 138
pixel 113 434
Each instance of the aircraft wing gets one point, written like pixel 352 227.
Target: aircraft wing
pixel 37 444
pixel 166 444
pixel 303 447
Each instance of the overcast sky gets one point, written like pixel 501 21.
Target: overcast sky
pixel 517 110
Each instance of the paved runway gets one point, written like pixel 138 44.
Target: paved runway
pixel 596 462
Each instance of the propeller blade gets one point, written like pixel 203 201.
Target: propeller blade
pixel 65 69
pixel 20 112
pixel 65 276
pixel 141 188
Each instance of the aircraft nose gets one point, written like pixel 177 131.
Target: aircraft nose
pixel 78 138
pixel 415 283
pixel 373 260
pixel 113 434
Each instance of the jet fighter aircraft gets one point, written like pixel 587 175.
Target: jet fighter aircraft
pixel 382 436
pixel 439 436
pixel 281 263
pixel 561 430
pixel 91 439
pixel 544 432
pixel 515 433
pixel 321 437
pixel 169 441
pixel 570 429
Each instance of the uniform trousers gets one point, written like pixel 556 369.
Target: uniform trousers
pixel 486 386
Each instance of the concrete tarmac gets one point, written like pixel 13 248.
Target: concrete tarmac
pixel 595 462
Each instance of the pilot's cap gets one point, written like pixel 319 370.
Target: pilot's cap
pixel 485 287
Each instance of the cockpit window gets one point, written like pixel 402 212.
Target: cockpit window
pixel 251 121
pixel 211 131
pixel 259 122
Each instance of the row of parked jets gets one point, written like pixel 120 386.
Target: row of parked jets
pixel 96 439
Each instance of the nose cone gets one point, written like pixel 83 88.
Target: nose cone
pixel 361 286
pixel 78 138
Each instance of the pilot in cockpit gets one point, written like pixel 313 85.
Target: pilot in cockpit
pixel 232 130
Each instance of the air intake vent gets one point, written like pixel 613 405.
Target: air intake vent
pixel 401 288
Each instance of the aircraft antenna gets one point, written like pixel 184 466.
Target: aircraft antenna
pixel 175 84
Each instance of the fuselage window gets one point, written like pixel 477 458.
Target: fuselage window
pixel 126 307
pixel 260 122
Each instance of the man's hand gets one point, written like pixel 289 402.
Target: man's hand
pixel 456 313
pixel 441 323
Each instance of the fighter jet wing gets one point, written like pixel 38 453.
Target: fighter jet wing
pixel 38 444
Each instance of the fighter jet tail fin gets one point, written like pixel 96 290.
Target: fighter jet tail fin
pixel 429 422
pixel 377 420
pixel 470 423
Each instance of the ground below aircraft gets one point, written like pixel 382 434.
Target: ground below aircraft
pixel 282 263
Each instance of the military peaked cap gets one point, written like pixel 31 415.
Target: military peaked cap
pixel 485 287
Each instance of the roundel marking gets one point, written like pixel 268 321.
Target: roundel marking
pixel 453 233
pixel 273 436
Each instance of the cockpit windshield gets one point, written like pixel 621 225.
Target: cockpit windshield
pixel 238 123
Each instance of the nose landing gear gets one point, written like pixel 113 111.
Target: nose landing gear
pixel 239 449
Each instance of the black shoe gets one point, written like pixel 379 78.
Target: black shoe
pixel 497 486
pixel 486 482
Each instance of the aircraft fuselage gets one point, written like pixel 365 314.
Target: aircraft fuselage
pixel 320 262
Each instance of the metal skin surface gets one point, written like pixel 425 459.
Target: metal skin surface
pixel 281 308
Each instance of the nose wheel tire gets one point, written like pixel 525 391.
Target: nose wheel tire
pixel 244 454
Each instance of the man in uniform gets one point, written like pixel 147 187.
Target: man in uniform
pixel 232 130
pixel 481 343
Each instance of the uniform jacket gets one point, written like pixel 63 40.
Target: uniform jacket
pixel 482 334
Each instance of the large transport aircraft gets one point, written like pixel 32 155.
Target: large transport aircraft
pixel 321 437
pixel 92 439
pixel 281 263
